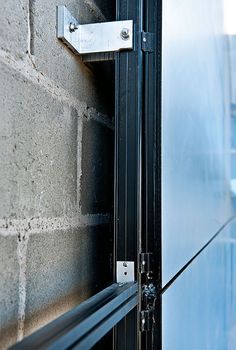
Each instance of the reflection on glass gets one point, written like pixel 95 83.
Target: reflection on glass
pixel 199 308
pixel 199 172
pixel 195 129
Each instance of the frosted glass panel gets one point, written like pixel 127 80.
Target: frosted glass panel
pixel 195 128
pixel 199 308
pixel 198 163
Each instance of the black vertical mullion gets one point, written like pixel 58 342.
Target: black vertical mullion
pixel 129 94
pixel 151 238
pixel 158 176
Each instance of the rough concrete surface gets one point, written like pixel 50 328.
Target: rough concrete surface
pixel 9 289
pixel 54 60
pixel 56 165
pixel 38 150
pixel 71 264
pixel 14 27
pixel 97 168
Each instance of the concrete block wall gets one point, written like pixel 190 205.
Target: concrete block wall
pixel 56 169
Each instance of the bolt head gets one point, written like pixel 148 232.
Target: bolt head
pixel 125 33
pixel 73 27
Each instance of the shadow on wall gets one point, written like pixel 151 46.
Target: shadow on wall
pixel 97 168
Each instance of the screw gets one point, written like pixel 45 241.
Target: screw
pixel 73 27
pixel 124 34
pixel 125 264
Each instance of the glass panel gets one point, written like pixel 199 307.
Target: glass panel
pixel 233 128
pixel 199 169
pixel 233 165
pixel 199 309
pixel 196 134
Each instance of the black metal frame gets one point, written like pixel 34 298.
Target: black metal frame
pixel 138 162
pixel 151 227
pixel 138 167
pixel 128 141
pixel 137 219
pixel 86 324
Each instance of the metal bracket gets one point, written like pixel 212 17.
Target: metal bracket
pixel 124 271
pixel 95 37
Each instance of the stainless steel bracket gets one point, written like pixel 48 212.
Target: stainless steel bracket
pixel 124 271
pixel 95 37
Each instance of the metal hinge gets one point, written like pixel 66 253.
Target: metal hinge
pixel 146 320
pixel 149 295
pixel 146 263
pixel 93 38
pixel 148 42
pixel 149 292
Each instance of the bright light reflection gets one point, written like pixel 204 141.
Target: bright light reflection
pixel 230 16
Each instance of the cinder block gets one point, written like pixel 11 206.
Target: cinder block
pixel 14 27
pixel 39 138
pixel 55 60
pixel 38 158
pixel 9 290
pixel 97 168
pixel 63 269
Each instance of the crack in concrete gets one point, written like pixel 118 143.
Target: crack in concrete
pixel 30 45
pixel 31 27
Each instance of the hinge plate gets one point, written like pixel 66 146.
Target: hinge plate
pixel 124 271
pixel 148 42
pixel 146 320
pixel 149 294
pixel 146 262
pixel 95 37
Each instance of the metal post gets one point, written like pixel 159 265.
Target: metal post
pixel 128 114
pixel 151 237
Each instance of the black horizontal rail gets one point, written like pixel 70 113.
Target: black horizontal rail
pixel 86 324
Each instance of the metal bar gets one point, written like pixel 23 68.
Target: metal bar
pixel 87 323
pixel 107 324
pixel 151 224
pixel 128 131
pixel 93 37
